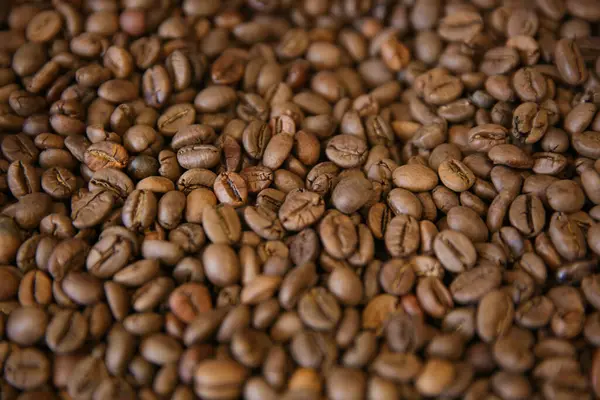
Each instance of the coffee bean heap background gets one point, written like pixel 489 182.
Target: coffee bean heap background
pixel 310 199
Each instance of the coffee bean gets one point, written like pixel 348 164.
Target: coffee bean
pixel 415 177
pixel 319 309
pixel 351 193
pixel 402 235
pixel 527 214
pixel 66 332
pixel 300 209
pixel 219 379
pixel 455 175
pixel 455 251
pixel 230 188
pixel 397 367
pixel 27 368
pixel 460 26
pixel 494 315
pixel 569 61
pixel 87 375
pixel 26 325
pixel 198 156
pixel 347 151
pixel 139 210
pixel 436 376
pixel 434 297
pixel 529 85
pixel 222 224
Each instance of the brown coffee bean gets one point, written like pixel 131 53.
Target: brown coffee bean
pixel 301 209
pixel 397 277
pixel 454 250
pixel 118 91
pixel 319 309
pixel 510 155
pixel 230 188
pixel 434 297
pixel 567 237
pixel 198 156
pixel 66 332
pixel 347 151
pixel 569 61
pixel 436 376
pixel 26 325
pixel 221 264
pixel 27 368
pixel 495 314
pixel 397 367
pixel 189 300
pixel 105 155
pixel 139 210
pixel 216 379
pixel 87 375
pixel 108 256
pixel 415 177
pixel 338 235
pixel 402 236
pixel 455 175
pixel 530 85
pixel 222 224
pixel 460 26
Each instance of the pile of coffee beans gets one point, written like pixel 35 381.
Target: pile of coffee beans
pixel 299 199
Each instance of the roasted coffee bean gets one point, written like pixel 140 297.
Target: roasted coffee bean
pixel 569 62
pixel 139 210
pixel 27 368
pixel 454 250
pixel 222 224
pixel 402 236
